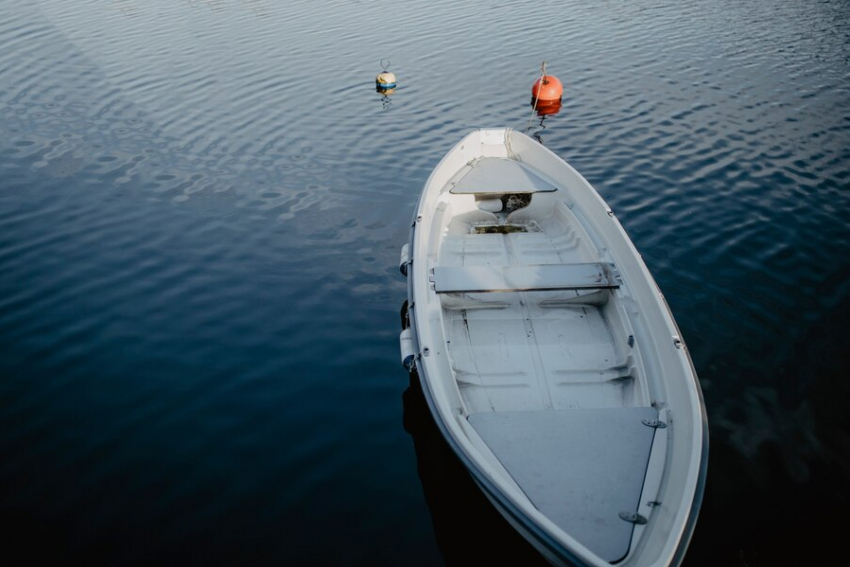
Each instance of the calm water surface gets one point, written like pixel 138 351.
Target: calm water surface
pixel 201 207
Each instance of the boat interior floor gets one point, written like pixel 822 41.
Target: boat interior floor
pixel 533 350
pixel 547 377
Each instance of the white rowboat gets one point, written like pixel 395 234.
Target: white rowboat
pixel 549 358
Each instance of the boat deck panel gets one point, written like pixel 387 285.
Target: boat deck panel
pixel 580 468
pixel 498 176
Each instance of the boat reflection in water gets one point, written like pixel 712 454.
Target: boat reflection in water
pixel 469 530
pixel 543 109
pixel 385 93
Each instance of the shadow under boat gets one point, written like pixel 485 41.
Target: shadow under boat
pixel 468 529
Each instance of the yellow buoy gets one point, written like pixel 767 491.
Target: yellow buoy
pixel 385 81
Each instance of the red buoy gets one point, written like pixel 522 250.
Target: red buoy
pixel 547 89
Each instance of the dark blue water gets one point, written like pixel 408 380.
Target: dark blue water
pixel 201 207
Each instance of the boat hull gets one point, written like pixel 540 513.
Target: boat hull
pixel 446 293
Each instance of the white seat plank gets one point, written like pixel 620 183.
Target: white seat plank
pixel 540 277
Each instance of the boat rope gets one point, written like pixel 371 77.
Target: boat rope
pixel 536 98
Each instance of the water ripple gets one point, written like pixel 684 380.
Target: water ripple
pixel 195 194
